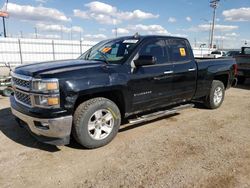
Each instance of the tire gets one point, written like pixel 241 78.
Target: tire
pixel 7 92
pixel 216 95
pixel 96 122
pixel 241 79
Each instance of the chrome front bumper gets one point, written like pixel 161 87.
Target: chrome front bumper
pixel 52 128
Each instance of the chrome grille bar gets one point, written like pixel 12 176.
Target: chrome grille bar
pixel 23 98
pixel 21 81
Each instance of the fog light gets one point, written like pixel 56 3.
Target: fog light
pixel 42 125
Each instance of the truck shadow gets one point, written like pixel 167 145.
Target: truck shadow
pixel 10 128
pixel 125 126
pixel 246 85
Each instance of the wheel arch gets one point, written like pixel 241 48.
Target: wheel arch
pixel 115 96
pixel 224 78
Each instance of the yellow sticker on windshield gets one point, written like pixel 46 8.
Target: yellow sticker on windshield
pixel 182 52
pixel 106 50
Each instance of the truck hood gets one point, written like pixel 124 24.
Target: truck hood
pixel 53 67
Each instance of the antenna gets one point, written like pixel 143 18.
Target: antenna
pixel 136 36
pixel 116 32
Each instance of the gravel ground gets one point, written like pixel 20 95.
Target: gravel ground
pixel 196 148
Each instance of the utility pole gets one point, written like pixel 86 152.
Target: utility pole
pixel 4 15
pixel 71 32
pixel 4 28
pixel 21 34
pixel 214 5
pixel 116 29
pixel 35 31
pixel 116 33
pixel 210 28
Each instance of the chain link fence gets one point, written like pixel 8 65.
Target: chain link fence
pixel 16 51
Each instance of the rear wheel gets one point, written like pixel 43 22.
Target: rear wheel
pixel 96 122
pixel 216 95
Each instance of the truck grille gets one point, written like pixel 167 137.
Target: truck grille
pixel 21 82
pixel 23 98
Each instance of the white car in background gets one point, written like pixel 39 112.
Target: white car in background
pixel 216 54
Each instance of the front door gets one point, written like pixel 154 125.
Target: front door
pixel 151 85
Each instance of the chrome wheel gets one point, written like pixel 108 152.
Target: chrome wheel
pixel 218 95
pixel 100 124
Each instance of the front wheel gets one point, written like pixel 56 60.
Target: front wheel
pixel 96 122
pixel 216 95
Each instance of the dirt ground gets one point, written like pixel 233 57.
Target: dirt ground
pixel 196 148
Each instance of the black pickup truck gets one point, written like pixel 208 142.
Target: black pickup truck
pixel 243 61
pixel 122 78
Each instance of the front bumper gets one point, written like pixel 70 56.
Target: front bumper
pixel 55 131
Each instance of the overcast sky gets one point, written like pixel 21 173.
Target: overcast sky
pixel 96 20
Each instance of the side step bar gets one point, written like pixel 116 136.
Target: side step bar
pixel 159 114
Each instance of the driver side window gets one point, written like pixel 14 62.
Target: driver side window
pixel 156 48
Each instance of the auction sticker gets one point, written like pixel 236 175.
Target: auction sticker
pixel 106 49
pixel 182 52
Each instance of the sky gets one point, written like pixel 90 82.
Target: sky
pixel 98 20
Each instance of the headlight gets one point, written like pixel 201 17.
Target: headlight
pixel 50 85
pixel 46 93
pixel 50 101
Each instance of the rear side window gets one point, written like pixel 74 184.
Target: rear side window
pixel 178 50
pixel 156 48
pixel 247 51
pixel 216 53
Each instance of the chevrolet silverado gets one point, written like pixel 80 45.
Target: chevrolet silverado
pixel 131 78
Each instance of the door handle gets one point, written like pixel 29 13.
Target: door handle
pixel 192 69
pixel 168 72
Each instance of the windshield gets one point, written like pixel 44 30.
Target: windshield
pixel 114 51
pixel 232 53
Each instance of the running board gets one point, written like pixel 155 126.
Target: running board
pixel 159 114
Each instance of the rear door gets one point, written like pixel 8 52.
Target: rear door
pixel 151 85
pixel 184 67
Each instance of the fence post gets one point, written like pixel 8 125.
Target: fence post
pixel 53 50
pixel 80 47
pixel 20 51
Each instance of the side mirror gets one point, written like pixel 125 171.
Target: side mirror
pixel 145 60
